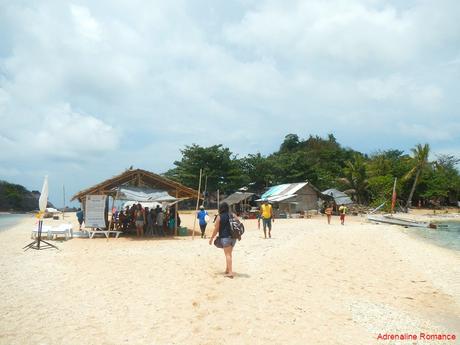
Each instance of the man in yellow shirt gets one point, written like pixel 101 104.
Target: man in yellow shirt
pixel 343 211
pixel 266 213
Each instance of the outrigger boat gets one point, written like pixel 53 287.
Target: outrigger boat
pixel 389 219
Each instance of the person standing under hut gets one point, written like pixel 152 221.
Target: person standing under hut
pixel 139 217
pixel 266 212
pixel 201 215
pixel 150 216
pixel 80 217
pixel 222 227
pixel 343 211
pixel 159 222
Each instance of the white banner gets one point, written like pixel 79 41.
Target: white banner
pixel 94 211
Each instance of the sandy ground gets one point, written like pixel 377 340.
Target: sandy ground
pixel 310 284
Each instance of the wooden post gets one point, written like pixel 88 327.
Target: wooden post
pixel 175 214
pixel 111 210
pixel 197 203
pixel 63 198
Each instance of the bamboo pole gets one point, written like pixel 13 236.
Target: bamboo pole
pixel 393 197
pixel 175 214
pixel 111 210
pixel 63 198
pixel 197 203
pixel 205 190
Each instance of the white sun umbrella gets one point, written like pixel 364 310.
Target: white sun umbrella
pixel 43 200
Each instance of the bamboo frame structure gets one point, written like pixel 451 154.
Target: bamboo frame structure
pixel 137 177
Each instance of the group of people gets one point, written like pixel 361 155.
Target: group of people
pixel 151 222
pixel 222 227
pixel 342 212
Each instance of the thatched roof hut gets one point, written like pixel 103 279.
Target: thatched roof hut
pixel 137 178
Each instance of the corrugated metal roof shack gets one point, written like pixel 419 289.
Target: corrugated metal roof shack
pixel 293 197
pixel 240 202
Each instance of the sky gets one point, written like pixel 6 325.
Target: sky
pixel 89 88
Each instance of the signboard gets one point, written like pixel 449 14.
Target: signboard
pixel 94 211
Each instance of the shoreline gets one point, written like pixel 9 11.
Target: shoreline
pixel 310 283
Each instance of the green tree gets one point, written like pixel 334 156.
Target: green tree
pixel 291 143
pixel 420 164
pixel 442 180
pixel 221 167
pixel 355 178
pixel 259 170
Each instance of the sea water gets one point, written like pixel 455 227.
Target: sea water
pixel 446 235
pixel 8 220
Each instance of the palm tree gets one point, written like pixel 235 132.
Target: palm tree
pixel 420 164
pixel 356 178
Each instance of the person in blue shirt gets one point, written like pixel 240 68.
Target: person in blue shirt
pixel 80 217
pixel 202 215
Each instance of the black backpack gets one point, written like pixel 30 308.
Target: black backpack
pixel 236 227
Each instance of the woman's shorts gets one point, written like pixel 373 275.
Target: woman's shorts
pixel 228 242
pixel 139 223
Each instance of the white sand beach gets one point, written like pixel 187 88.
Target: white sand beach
pixel 310 284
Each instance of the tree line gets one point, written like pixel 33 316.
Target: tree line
pixel 368 178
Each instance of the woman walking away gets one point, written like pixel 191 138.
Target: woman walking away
pixel 139 216
pixel 201 215
pixel 222 226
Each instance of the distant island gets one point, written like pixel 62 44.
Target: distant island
pixel 16 198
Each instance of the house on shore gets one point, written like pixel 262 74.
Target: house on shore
pixel 291 198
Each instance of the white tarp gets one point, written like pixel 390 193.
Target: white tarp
pixel 149 204
pixel 94 211
pixel 144 195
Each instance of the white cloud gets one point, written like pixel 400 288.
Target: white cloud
pixel 434 132
pixel 350 31
pixel 85 23
pixel 134 82
pixel 398 89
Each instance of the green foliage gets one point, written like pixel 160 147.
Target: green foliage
pixel 221 167
pixel 326 164
pixel 355 178
pixel 315 159
pixel 442 180
pixel 16 197
pixel 420 164
pixel 381 187
pixel 258 170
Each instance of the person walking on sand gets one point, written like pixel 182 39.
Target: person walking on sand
pixel 328 212
pixel 201 215
pixel 80 217
pixel 343 211
pixel 222 227
pixel 266 213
